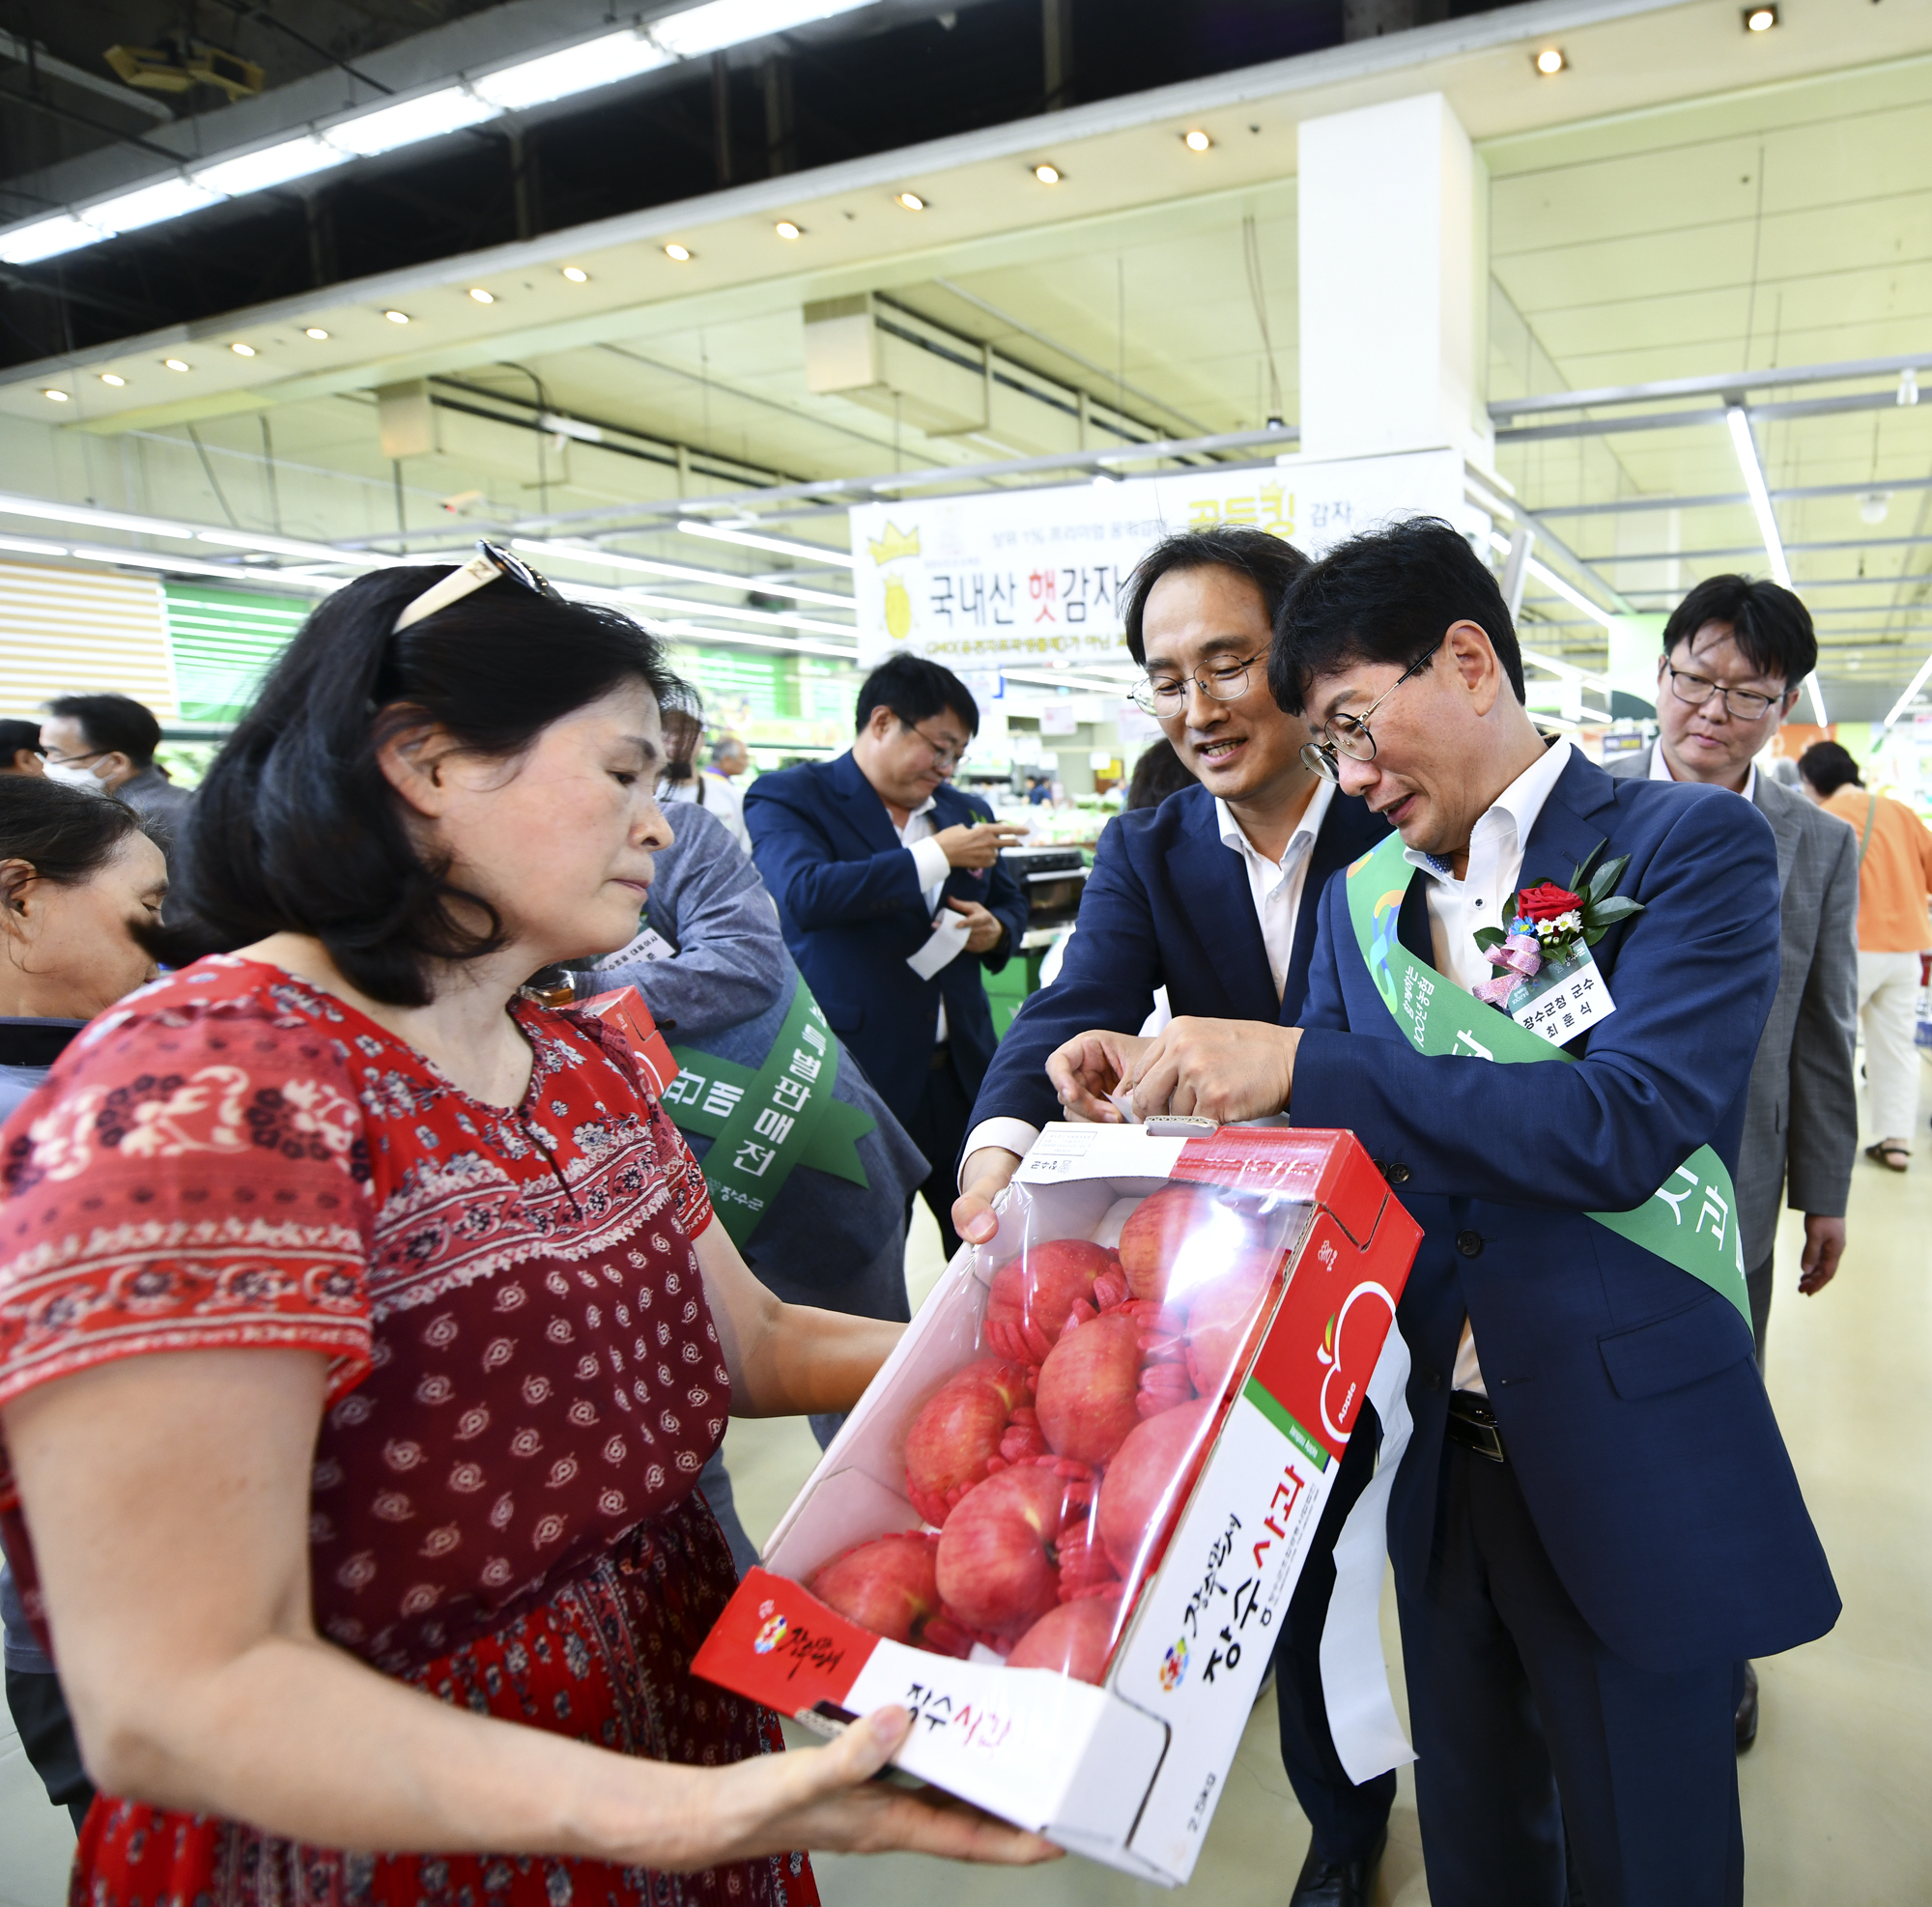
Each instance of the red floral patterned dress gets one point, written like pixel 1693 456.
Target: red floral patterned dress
pixel 525 1380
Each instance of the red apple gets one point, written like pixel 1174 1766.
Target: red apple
pixel 1076 1638
pixel 958 1431
pixel 1031 1297
pixel 998 1568
pixel 889 1585
pixel 1181 1239
pixel 1147 1480
pixel 1221 1316
pixel 1086 1398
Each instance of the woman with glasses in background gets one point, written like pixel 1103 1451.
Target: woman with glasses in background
pixel 364 1327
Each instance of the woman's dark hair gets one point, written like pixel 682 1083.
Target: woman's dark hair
pixel 1158 774
pixel 65 834
pixel 1385 596
pixel 1829 766
pixel 296 829
pixel 1259 554
pixel 1770 625
pixel 683 731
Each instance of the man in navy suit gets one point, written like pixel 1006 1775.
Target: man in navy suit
pixel 893 902
pixel 1212 896
pixel 1596 1520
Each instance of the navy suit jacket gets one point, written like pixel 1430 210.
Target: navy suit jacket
pixel 852 910
pixel 1626 1391
pixel 1167 905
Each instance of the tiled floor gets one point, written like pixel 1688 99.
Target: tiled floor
pixel 1835 1792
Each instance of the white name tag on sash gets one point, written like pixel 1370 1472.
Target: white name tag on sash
pixel 1563 1001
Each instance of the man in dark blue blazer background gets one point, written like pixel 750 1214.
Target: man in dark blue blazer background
pixel 1596 1522
pixel 1212 895
pixel 893 902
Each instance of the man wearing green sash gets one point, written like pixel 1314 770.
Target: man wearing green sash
pixel 1596 1522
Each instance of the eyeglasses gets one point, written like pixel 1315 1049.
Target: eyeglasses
pixel 1164 697
pixel 481 570
pixel 1746 704
pixel 1349 734
pixel 944 756
pixel 61 760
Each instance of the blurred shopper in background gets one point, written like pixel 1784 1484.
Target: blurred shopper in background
pixel 1159 773
pixel 20 750
pixel 729 757
pixel 684 735
pixel 76 876
pixel 894 903
pixel 1894 864
pixel 105 744
pixel 712 966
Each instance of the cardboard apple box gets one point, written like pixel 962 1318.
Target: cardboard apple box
pixel 1128 1772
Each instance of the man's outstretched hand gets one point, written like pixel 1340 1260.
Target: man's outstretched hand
pixel 1219 1069
pixel 982 1179
pixel 1090 1065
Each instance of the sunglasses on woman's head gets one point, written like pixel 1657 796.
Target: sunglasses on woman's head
pixel 481 570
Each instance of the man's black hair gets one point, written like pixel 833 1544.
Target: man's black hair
pixel 112 723
pixel 1771 627
pixel 1262 557
pixel 1386 596
pixel 915 690
pixel 1829 766
pixel 16 735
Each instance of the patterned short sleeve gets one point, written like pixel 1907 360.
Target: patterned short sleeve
pixel 193 1173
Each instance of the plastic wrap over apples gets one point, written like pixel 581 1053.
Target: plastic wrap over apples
pixel 1050 1468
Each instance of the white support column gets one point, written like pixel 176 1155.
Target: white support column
pixel 1390 277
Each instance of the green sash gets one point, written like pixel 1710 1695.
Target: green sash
pixel 1690 1221
pixel 763 1121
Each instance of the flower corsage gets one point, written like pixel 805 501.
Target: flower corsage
pixel 1555 928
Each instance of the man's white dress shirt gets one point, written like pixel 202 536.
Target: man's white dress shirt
pixel 930 864
pixel 1459 909
pixel 1660 771
pixel 1275 887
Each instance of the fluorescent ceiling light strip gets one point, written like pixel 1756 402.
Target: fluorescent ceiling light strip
pixel 765 619
pixel 80 513
pixel 574 70
pixel 1745 446
pixel 1082 684
pixel 187 566
pixel 783 545
pixel 589 553
pixel 269 165
pixel 1905 700
pixel 725 23
pixel 1566 670
pixel 27 547
pixel 1551 581
pixel 691 631
pixel 46 237
pixel 149 204
pixel 289 546
pixel 409 122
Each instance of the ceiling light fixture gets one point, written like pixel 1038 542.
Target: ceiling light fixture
pixel 785 546
pixel 1760 19
pixel 1048 175
pixel 707 29
pixel 409 120
pixel 26 545
pixel 1744 445
pixel 149 204
pixel 481 296
pixel 55 397
pixel 113 378
pixel 576 275
pixel 591 553
pixel 175 363
pixel 81 513
pixel 1195 140
pixel 1911 693
pixel 910 200
pixel 316 332
pixel 575 69
pixel 269 165
pixel 243 350
pixel 678 254
pixel 48 237
pixel 786 229
pixel 1550 61
pixel 397 317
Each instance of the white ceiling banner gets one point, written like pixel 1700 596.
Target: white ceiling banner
pixel 1024 579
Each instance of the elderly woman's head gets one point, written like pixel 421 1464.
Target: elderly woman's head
pixel 415 797
pixel 77 879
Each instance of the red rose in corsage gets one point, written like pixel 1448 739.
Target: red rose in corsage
pixel 1554 924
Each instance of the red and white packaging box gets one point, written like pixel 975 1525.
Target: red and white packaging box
pixel 1127 1772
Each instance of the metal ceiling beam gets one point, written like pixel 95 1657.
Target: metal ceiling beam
pixel 1666 420
pixel 1709 386
pixel 1757 550
pixel 1631 505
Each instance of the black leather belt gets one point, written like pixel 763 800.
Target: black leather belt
pixel 1474 1425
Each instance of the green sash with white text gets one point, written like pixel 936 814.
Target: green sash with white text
pixel 1690 1221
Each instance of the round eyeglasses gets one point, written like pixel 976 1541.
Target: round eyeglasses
pixel 1166 696
pixel 1743 704
pixel 1349 734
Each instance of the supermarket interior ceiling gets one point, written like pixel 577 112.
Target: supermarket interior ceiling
pixel 637 306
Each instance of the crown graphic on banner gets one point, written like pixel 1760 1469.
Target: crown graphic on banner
pixel 895 543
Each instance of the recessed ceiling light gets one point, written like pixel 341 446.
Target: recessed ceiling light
pixel 175 363
pixel 576 275
pixel 911 201
pixel 397 317
pixel 481 296
pixel 1196 141
pixel 314 331
pixel 1760 19
pixel 678 254
pixel 786 229
pixel 57 396
pixel 1047 175
pixel 243 350
pixel 1550 60
pixel 113 378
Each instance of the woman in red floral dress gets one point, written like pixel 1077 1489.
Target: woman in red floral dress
pixel 363 1330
